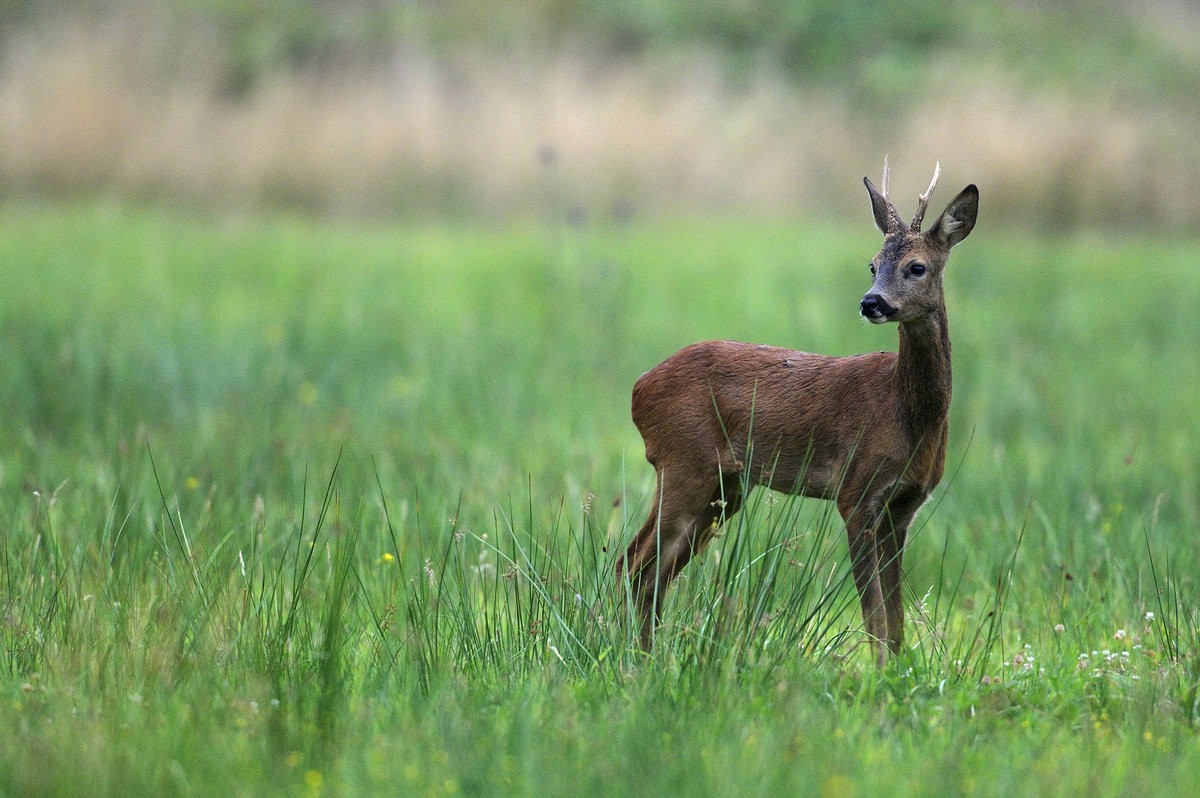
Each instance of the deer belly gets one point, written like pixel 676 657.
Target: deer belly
pixel 803 477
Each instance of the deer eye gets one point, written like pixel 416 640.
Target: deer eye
pixel 917 269
pixel 872 267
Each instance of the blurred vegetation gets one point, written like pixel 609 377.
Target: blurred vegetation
pixel 886 48
pixel 882 47
pixel 1093 125
pixel 806 39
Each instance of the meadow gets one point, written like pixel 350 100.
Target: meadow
pixel 331 508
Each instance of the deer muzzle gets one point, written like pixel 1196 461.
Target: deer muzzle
pixel 876 309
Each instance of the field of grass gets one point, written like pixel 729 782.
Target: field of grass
pixel 331 509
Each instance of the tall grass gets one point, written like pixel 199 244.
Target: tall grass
pixel 298 507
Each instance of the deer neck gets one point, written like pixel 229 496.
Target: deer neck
pixel 923 378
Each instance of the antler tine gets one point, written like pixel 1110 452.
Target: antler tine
pixel 894 223
pixel 923 199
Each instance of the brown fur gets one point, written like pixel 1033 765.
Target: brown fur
pixel 868 432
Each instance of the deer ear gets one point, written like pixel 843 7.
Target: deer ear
pixel 957 221
pixel 879 206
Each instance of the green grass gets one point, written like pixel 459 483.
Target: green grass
pixel 303 508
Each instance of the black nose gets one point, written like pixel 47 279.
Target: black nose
pixel 872 306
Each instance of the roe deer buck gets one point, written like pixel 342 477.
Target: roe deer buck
pixel 868 431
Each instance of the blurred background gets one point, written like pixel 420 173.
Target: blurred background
pixel 1073 114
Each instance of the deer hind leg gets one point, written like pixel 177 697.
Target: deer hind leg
pixel 682 520
pixel 865 565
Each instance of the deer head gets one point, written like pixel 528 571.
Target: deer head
pixel 908 269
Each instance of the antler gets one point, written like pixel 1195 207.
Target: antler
pixel 923 199
pixel 895 224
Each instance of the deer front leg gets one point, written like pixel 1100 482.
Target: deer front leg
pixel 893 530
pixel 864 562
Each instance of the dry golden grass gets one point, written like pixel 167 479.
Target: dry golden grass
pixel 134 106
